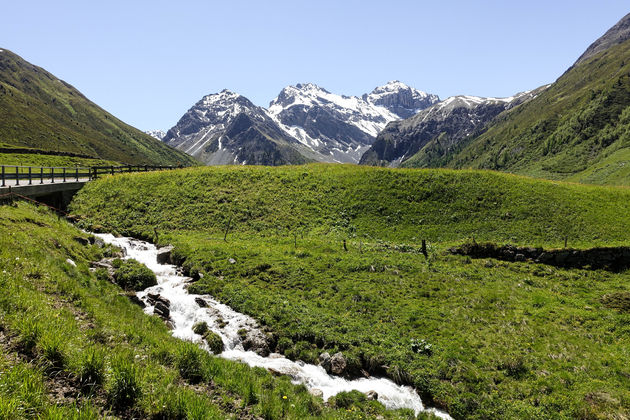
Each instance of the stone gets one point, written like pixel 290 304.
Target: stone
pixel 372 395
pixel 202 303
pixel 232 261
pixel 82 241
pixel 257 342
pixel 318 393
pixel 164 255
pixel 338 364
pixel 162 310
pixel 519 257
pixel 324 361
pixel 135 299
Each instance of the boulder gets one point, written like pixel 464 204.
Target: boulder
pixel 324 361
pixel 164 255
pixel 135 299
pixel 338 364
pixel 202 303
pixel 162 310
pixel 257 342
pixel 372 395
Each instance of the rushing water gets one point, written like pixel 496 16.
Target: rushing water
pixel 221 319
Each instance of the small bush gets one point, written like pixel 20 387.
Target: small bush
pixel 200 328
pixel 348 399
pixel 214 342
pixel 124 388
pixel 284 343
pixel 132 275
pixel 189 363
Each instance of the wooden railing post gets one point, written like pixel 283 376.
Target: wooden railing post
pixel 3 183
pixel 77 173
pixel 30 176
pixel 112 170
pixel 17 175
pixel 41 175
pixel 64 174
pixel 52 175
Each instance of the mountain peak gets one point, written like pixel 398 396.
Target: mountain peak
pixel 614 36
pixel 401 99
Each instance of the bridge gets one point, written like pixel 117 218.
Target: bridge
pixel 55 186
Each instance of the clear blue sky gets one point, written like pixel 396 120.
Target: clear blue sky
pixel 147 62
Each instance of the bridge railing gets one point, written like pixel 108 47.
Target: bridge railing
pixel 29 175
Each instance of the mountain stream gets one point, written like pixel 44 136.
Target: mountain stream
pixel 221 319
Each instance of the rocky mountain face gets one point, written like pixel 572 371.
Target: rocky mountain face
pixel 614 36
pixel 227 128
pixel 431 134
pixel 402 100
pixel 307 121
pixel 156 134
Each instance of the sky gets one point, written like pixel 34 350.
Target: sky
pixel 148 62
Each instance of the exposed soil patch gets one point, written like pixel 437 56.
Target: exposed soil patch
pixel 619 301
pixel 614 259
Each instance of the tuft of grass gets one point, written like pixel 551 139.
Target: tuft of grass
pixel 91 371
pixel 124 388
pixel 190 362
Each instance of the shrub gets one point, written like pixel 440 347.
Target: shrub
pixel 189 363
pixel 214 342
pixel 132 275
pixel 200 328
pixel 124 389
pixel 284 343
pixel 348 399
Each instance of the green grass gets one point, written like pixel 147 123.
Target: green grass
pixel 27 159
pixel 62 326
pixel 42 112
pixel 505 340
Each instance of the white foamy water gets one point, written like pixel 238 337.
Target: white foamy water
pixel 224 321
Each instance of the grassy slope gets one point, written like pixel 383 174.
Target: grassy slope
pixel 577 129
pixel 27 159
pixel 37 110
pixel 59 322
pixel 509 340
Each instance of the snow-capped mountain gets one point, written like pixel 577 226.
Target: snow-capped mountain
pixel 401 99
pixel 309 123
pixel 156 134
pixel 227 128
pixel 341 128
pixel 432 133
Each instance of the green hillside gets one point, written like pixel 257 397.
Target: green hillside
pixel 75 347
pixel 39 111
pixel 329 258
pixel 578 129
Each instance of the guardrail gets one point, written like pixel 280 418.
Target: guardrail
pixel 29 175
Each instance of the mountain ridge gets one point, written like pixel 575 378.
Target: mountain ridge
pixel 41 111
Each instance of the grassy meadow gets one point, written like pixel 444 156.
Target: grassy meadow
pixel 329 257
pixel 75 347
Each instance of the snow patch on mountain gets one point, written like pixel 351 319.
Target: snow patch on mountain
pixel 157 134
